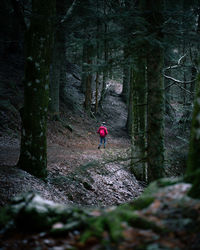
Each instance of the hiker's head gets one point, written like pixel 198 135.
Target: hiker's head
pixel 103 124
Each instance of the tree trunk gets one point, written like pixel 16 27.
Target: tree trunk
pixel 39 44
pixel 155 116
pixel 126 77
pixel 193 164
pixel 58 60
pixel 84 69
pixel 155 93
pixel 55 81
pixel 192 85
pixel 166 84
pixel 129 122
pixel 105 75
pixel 139 120
pixel 97 92
pixel 105 71
pixel 98 57
pixel 88 91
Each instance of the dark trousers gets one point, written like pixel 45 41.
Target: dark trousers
pixel 102 141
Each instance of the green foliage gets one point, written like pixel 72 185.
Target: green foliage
pixel 161 183
pixel 113 223
pixel 142 202
pixel 109 226
pixel 5 217
pixel 95 227
pixel 32 213
pixel 195 190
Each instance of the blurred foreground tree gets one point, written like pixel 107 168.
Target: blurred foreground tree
pixel 193 164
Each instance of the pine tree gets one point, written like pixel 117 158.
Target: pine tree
pixel 155 91
pixel 138 150
pixel 126 75
pixel 63 13
pixel 39 44
pixel 193 164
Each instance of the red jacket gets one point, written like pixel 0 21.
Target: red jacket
pixel 102 131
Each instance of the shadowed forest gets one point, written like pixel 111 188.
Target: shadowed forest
pixel 99 124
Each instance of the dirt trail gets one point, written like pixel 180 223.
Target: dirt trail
pixel 79 173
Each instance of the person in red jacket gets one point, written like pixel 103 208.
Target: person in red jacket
pixel 102 131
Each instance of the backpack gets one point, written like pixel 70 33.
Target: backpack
pixel 102 132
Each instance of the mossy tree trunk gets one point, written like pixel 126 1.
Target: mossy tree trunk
pixel 155 116
pixel 98 59
pixel 88 78
pixel 126 76
pixel 39 44
pixel 84 68
pixel 97 92
pixel 105 74
pixel 105 50
pixel 193 164
pixel 155 96
pixel 167 84
pixel 138 147
pixel 192 85
pixel 55 79
pixel 129 122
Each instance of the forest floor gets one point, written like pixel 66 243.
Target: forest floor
pixel 78 172
pixel 86 179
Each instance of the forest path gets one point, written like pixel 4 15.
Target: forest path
pixel 79 172
pixel 85 174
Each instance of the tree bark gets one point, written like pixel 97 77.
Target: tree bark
pixel 55 81
pixel 58 61
pixel 84 68
pixel 88 91
pixel 126 77
pixel 155 116
pixel 39 44
pixel 193 164
pixel 129 122
pixel 155 92
pixel 98 57
pixel 105 71
pixel 139 120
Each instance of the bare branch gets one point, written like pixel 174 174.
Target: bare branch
pixel 178 63
pixel 169 85
pixel 191 93
pixel 178 81
pixel 181 58
pixel 172 67
pixel 69 12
